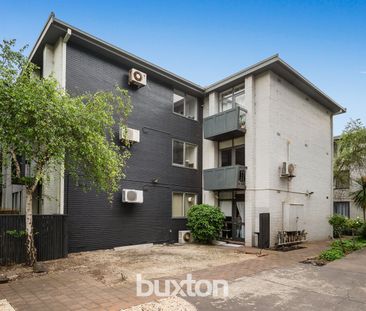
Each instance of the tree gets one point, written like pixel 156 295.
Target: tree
pixel 350 157
pixel 43 125
pixel 359 196
pixel 351 150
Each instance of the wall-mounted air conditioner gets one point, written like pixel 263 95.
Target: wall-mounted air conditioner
pixel 137 77
pixel 132 196
pixel 131 135
pixel 287 170
pixel 184 236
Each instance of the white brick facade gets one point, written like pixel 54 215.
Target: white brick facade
pixel 283 124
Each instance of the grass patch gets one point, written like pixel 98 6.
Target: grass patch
pixel 336 251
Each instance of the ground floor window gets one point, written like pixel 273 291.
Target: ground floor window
pixel 341 208
pixel 182 202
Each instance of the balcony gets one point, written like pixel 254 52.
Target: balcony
pixel 224 178
pixel 225 125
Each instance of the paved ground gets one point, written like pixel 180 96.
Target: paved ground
pixel 340 285
pixel 275 281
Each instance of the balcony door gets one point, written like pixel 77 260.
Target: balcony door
pixel 232 152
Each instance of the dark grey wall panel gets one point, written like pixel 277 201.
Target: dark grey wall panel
pixel 93 222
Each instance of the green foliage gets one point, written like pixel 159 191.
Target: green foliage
pixel 362 231
pixel 339 249
pixel 359 196
pixel 331 254
pixel 349 245
pixel 350 149
pixel 205 222
pixel 339 223
pixel 42 123
pixel 354 224
pixel 16 234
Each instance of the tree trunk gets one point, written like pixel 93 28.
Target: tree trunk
pixel 31 249
pixel 364 214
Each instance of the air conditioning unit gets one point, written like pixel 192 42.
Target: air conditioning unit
pixel 137 77
pixel 132 135
pixel 132 196
pixel 184 236
pixel 287 170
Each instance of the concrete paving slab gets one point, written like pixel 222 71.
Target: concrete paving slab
pixel 297 287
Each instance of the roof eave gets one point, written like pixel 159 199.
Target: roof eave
pixel 276 64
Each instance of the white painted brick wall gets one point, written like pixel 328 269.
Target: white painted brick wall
pixel 290 118
pixel 283 124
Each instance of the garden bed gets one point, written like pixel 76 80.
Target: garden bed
pixel 338 249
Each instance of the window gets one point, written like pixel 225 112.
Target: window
pixel 232 98
pixel 341 208
pixel 182 202
pixel 226 157
pixel 342 181
pixel 232 152
pixel 184 154
pixel 185 105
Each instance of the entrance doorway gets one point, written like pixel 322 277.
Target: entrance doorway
pixel 232 205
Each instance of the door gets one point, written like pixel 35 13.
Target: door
pixel 263 238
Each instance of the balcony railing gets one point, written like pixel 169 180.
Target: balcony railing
pixel 224 178
pixel 225 125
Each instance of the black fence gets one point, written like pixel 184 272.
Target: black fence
pixel 50 237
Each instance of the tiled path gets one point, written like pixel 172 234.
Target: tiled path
pixel 74 291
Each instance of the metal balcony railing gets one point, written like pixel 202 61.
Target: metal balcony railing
pixel 225 125
pixel 224 178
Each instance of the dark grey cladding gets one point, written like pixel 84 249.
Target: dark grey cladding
pixel 93 222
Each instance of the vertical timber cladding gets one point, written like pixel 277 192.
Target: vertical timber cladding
pixel 93 222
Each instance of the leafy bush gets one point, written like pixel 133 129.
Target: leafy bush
pixel 341 248
pixel 354 224
pixel 349 245
pixel 331 254
pixel 205 222
pixel 339 223
pixel 362 231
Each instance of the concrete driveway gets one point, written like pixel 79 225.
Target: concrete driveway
pixel 340 285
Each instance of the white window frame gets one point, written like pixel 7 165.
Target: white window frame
pixel 184 95
pixel 232 91
pixel 184 154
pixel 184 194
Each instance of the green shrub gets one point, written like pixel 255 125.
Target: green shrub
pixel 205 222
pixel 362 231
pixel 348 245
pixel 331 254
pixel 339 224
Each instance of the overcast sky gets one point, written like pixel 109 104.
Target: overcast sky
pixel 205 41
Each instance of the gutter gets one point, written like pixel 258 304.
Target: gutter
pixel 165 74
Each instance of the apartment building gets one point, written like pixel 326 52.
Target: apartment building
pixel 343 187
pixel 257 144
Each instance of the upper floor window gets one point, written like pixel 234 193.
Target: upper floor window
pixel 184 154
pixel 232 98
pixel 185 105
pixel 232 152
pixel 342 181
